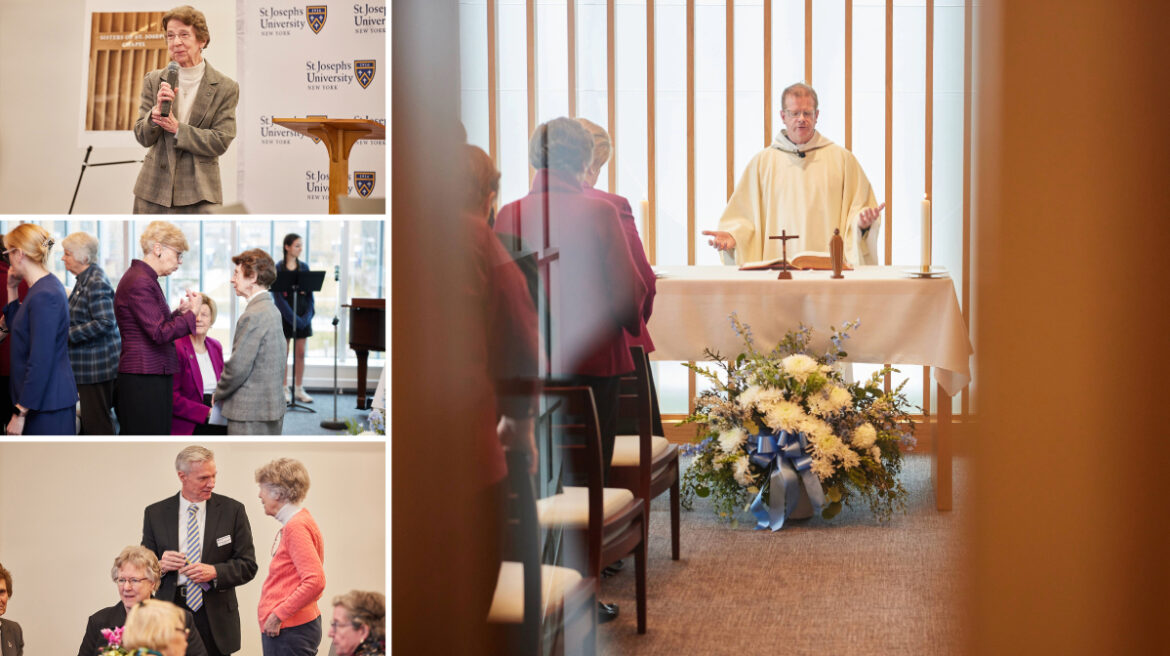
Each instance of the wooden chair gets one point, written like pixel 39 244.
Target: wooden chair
pixel 531 597
pixel 647 446
pixel 610 522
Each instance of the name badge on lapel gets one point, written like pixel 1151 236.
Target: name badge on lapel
pixel 227 539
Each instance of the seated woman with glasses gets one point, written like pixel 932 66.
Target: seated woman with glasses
pixel 41 379
pixel 149 329
pixel 137 575
pixel 359 624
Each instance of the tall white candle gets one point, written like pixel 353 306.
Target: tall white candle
pixel 925 234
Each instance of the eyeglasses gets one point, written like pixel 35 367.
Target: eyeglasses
pixel 182 36
pixel 807 114
pixel 178 253
pixel 337 625
pixel 122 580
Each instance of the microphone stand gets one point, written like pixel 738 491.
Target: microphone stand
pixel 334 424
pixel 84 165
pixel 292 392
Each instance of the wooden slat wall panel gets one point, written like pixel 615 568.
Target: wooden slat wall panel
pixel 767 72
pixel 530 20
pixel 571 45
pixel 808 34
pixel 611 92
pixel 114 80
pixel 849 75
pixel 651 180
pixel 493 67
pixel 730 57
pixel 691 136
pixel 965 407
pixel 889 235
pixel 929 163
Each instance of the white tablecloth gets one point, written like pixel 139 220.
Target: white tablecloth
pixel 903 320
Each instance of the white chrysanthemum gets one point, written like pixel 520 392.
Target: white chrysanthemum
pixel 743 472
pixel 760 398
pixel 829 401
pixel 747 398
pixel 827 445
pixel 864 436
pixel 799 366
pixel 849 458
pixel 823 468
pixel 784 415
pixel 730 441
pixel 815 428
pixel 875 453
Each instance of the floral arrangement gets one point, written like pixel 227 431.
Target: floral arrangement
pixel 375 424
pixel 114 639
pixel 781 424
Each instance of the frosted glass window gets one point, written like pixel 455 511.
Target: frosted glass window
pixel 552 60
pixel 670 131
pixel 869 100
pixel 630 72
pixel 710 125
pixel 749 84
pixel 513 101
pixel 592 83
pixel 473 71
pixel 787 52
pixel 828 71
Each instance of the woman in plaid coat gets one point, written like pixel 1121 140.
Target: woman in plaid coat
pixel 94 343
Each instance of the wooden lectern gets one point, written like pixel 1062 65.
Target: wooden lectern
pixel 339 136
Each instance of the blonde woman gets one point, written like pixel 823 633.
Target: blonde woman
pixel 41 384
pixel 156 628
pixel 149 329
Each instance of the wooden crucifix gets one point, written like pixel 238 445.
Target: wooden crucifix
pixel 785 274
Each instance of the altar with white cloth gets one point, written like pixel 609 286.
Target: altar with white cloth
pixel 904 320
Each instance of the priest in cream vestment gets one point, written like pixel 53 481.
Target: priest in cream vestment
pixel 804 184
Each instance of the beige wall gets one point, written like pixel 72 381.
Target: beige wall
pixel 42 77
pixel 67 509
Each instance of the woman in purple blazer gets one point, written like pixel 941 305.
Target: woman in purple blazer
pixel 149 329
pixel 200 364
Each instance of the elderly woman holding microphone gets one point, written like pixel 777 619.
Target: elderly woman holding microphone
pixel 41 381
pixel 289 618
pixel 94 343
pixel 187 123
pixel 149 329
pixel 250 383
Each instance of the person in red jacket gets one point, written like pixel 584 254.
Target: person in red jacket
pixel 598 294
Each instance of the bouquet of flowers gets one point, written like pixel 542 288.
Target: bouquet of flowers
pixel 114 639
pixel 780 424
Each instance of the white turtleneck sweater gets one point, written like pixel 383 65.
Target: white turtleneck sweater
pixel 189 80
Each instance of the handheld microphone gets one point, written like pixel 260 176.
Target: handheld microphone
pixel 173 80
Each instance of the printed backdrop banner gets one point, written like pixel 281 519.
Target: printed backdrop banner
pixel 302 60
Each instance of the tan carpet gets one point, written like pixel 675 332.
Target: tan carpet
pixel 849 586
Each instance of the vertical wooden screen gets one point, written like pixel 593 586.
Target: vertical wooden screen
pixel 493 69
pixel 967 90
pixel 730 58
pixel 571 46
pixel 808 68
pixel 651 181
pixel 530 27
pixel 611 92
pixel 691 135
pixel 123 48
pixel 767 72
pixel 848 74
pixel 929 157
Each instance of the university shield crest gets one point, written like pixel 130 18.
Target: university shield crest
pixel 364 68
pixel 364 181
pixel 317 15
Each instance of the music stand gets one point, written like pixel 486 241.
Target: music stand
pixel 295 281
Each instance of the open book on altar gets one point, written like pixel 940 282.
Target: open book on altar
pixel 805 260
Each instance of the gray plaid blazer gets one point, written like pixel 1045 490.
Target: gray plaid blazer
pixel 183 168
pixel 250 385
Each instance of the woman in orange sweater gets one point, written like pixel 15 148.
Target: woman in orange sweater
pixel 290 622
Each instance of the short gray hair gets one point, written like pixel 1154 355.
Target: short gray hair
pixel 192 455
pixel 144 559
pixel 286 478
pixel 82 246
pixel 800 89
pixel 562 144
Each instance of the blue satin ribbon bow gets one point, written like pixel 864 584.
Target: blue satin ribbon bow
pixel 788 464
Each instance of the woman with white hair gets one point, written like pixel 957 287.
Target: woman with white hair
pixel 94 343
pixel 155 628
pixel 137 574
pixel 290 620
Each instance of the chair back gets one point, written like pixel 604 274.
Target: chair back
pixel 576 442
pixel 523 535
pixel 636 412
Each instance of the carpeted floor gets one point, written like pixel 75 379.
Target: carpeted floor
pixel 300 422
pixel 846 586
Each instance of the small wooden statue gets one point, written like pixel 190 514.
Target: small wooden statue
pixel 837 253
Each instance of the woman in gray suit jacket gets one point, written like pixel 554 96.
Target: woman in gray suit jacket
pixel 250 385
pixel 180 174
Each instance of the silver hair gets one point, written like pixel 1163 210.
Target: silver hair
pixel 82 245
pixel 192 455
pixel 799 89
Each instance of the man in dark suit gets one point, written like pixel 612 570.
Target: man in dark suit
pixel 204 556
pixel 11 637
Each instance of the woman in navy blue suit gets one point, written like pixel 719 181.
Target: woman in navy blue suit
pixel 42 384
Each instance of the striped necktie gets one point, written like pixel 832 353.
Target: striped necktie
pixel 193 551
